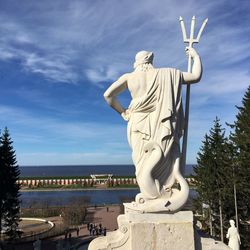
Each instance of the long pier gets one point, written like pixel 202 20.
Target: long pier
pixel 100 180
pixel 81 182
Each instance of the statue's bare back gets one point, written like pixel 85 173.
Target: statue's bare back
pixel 138 82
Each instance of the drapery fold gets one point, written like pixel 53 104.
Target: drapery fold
pixel 158 116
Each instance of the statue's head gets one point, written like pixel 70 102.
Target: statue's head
pixel 232 224
pixel 143 57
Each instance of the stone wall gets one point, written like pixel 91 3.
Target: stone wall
pixel 84 182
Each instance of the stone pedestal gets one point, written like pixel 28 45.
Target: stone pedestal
pixel 162 231
pixel 152 231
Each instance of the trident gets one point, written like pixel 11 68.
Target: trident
pixel 190 42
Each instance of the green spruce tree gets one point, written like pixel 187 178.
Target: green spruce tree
pixel 9 189
pixel 241 141
pixel 205 181
pixel 213 162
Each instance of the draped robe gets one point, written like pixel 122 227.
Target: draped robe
pixel 158 116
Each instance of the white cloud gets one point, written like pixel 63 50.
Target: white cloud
pixel 47 35
pixel 55 39
pixel 102 75
pixel 61 128
pixel 221 86
pixel 6 55
pixel 43 140
pixel 56 69
pixel 36 131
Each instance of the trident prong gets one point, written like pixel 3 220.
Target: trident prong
pixel 183 29
pixel 191 40
pixel 192 29
pixel 201 30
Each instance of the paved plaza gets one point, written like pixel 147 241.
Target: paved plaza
pixel 95 215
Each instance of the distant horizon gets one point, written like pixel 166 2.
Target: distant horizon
pixel 75 165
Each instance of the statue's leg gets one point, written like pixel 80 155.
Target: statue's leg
pixel 149 187
pixel 145 156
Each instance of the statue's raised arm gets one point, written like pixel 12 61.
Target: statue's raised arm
pixel 196 72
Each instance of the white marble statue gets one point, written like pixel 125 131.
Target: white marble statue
pixel 233 236
pixel 155 126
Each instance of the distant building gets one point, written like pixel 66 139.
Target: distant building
pixel 101 178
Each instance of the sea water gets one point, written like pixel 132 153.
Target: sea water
pixel 83 170
pixel 94 197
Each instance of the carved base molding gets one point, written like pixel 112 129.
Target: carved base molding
pixel 152 231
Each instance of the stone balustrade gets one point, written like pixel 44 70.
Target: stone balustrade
pixel 84 182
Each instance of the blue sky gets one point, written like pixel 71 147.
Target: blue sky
pixel 58 57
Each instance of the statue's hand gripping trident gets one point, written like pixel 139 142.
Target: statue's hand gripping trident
pixel 191 40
